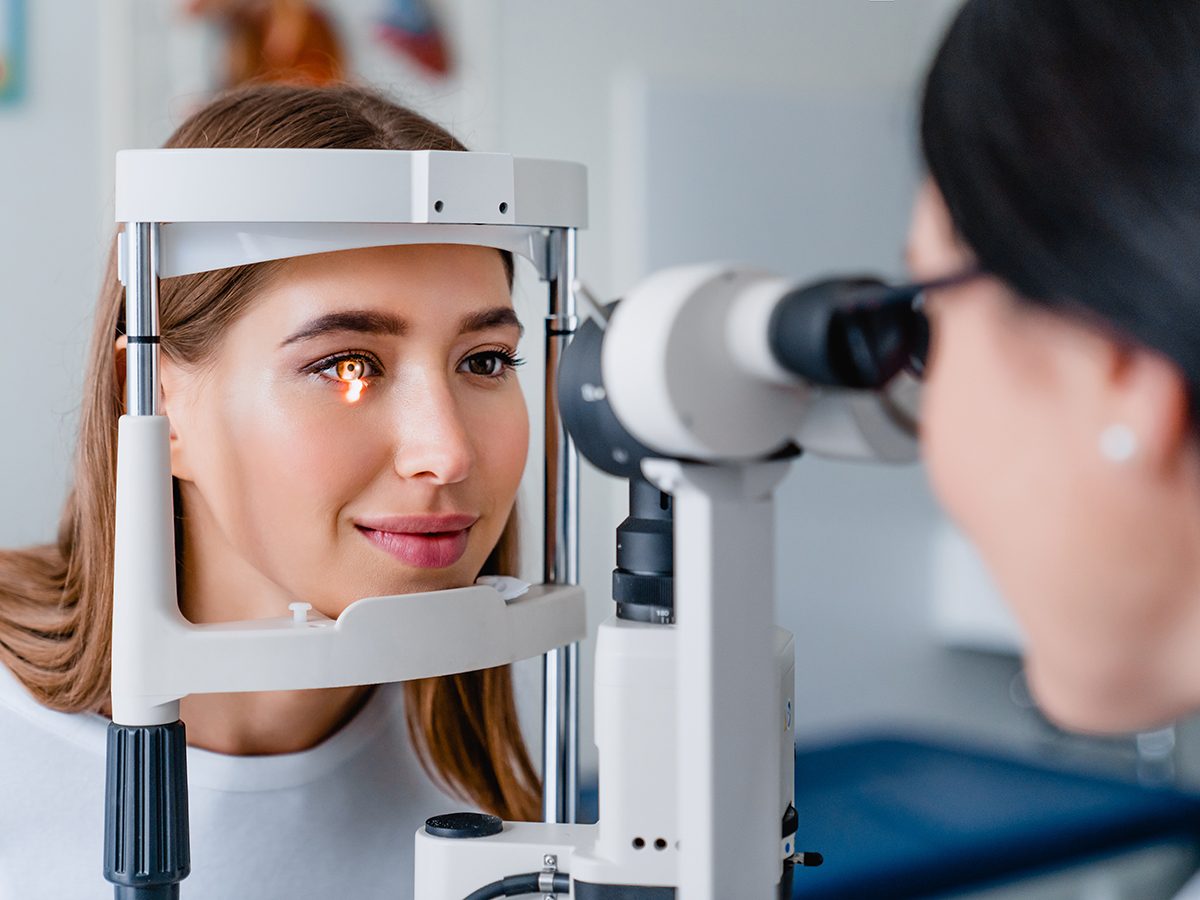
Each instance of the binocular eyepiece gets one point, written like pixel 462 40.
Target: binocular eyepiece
pixel 853 333
pixel 850 333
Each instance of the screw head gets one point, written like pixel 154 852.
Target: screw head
pixel 550 860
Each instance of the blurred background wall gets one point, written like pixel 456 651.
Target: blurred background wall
pixel 53 234
pixel 780 132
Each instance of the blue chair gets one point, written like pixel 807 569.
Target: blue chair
pixel 902 817
pixel 898 817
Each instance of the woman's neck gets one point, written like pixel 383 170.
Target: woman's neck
pixel 268 722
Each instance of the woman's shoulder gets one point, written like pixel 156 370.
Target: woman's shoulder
pixel 52 770
pixel 373 749
pixel 378 730
pixel 23 715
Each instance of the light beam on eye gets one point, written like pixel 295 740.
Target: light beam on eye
pixel 354 390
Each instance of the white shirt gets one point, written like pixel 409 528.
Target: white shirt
pixel 334 821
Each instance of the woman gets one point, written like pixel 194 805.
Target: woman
pixel 1060 415
pixel 342 425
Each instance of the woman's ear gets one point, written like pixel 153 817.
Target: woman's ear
pixel 178 466
pixel 1149 396
pixel 119 366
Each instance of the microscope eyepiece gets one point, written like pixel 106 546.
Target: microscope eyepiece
pixel 849 332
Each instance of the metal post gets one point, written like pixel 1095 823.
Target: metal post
pixel 560 674
pixel 141 319
pixel 147 850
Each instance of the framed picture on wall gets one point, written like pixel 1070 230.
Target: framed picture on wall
pixel 12 49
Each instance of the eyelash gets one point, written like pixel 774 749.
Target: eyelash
pixel 507 359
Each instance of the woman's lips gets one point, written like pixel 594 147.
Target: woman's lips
pixel 425 542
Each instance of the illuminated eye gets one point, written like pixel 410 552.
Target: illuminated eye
pixel 350 369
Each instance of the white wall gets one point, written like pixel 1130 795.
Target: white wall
pixel 51 246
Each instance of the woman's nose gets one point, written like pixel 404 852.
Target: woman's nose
pixel 433 442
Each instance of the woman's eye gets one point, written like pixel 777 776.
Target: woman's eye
pixel 346 369
pixel 350 369
pixel 490 364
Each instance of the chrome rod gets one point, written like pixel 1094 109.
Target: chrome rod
pixel 141 319
pixel 560 668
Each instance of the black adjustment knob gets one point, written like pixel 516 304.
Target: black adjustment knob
pixel 146 847
pixel 791 819
pixel 463 825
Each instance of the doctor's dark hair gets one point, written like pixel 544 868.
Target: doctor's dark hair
pixel 56 600
pixel 1064 137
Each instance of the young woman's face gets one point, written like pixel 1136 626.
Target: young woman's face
pixel 1089 552
pixel 359 432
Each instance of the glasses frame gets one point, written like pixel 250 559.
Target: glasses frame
pixel 913 296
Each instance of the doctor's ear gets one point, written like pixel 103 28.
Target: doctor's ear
pixel 120 347
pixel 1148 411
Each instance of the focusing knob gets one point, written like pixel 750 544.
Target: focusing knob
pixel 463 825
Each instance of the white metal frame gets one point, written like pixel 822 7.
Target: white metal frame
pixel 187 211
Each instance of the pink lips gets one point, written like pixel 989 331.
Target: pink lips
pixel 425 542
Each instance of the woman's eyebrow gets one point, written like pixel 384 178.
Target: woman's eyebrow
pixel 370 321
pixel 497 317
pixel 367 321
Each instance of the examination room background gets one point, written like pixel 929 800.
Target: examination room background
pixel 802 161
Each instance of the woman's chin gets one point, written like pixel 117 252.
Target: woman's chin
pixel 1101 702
pixel 389 584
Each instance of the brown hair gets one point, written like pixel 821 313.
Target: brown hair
pixel 56 600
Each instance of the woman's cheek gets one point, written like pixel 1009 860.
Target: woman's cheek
pixel 518 446
pixel 967 414
pixel 942 438
pixel 514 448
pixel 498 425
pixel 311 447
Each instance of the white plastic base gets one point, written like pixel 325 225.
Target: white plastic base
pixel 450 869
pixel 637 839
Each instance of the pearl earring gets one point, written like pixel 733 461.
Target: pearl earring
pixel 1118 443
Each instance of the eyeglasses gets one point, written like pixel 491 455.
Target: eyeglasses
pixel 878 300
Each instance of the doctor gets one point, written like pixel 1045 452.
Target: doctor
pixel 1060 416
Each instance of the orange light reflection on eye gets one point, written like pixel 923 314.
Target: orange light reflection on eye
pixel 354 390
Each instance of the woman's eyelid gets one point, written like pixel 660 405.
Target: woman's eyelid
pixel 504 338
pixel 499 346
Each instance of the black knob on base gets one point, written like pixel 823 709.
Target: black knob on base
pixel 463 825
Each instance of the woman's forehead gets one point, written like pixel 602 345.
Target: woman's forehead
pixel 408 263
pixel 395 289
